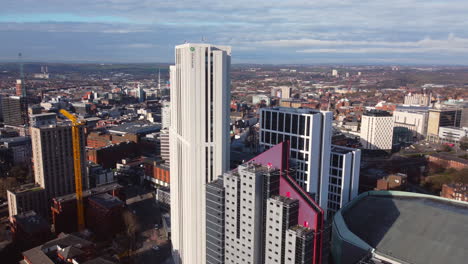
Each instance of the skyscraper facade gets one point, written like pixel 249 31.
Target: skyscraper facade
pixel 418 99
pixel 53 159
pixel 199 141
pixel 309 133
pixel 344 177
pixel 377 130
pixel 15 111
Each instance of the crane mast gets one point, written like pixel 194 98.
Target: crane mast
pixel 77 167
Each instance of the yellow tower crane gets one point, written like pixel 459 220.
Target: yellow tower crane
pixel 77 166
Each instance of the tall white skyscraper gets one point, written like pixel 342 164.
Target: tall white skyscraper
pixel 199 141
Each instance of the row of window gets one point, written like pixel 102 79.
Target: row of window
pixel 286 122
pixel 273 138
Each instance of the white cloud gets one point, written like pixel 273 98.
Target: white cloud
pixel 292 27
pixel 140 46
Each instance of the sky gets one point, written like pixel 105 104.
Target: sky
pixel 432 32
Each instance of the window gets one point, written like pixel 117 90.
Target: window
pixel 287 125
pixel 294 142
pixel 294 124
pixel 280 122
pixel 268 120
pixel 274 121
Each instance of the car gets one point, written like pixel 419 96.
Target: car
pixel 155 247
pixel 156 226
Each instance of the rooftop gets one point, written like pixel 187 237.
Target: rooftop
pixel 293 110
pixel 341 149
pixel 301 230
pixel 413 109
pixel 377 113
pixel 106 200
pixel 30 187
pixel 44 115
pixel 137 127
pixel 254 167
pixel 409 227
pixel 31 222
pixel 38 254
pixel 446 156
pixel 218 183
pixel 98 190
pixel 15 140
pixel 283 199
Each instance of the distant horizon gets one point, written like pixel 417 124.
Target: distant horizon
pixel 238 64
pixel 274 32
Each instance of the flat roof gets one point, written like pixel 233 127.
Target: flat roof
pixel 137 127
pixel 413 229
pixel 15 140
pixel 284 199
pixel 44 114
pixel 106 200
pixel 31 222
pixel 94 191
pixel 377 113
pixel 446 156
pixel 342 149
pixel 294 110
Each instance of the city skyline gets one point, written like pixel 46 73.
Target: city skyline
pixel 376 32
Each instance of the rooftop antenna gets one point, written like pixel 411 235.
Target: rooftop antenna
pixel 21 66
pixel 20 87
pixel 159 78
pixel 203 39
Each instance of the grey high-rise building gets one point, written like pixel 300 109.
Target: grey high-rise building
pixel 244 214
pixel 263 210
pixel 15 111
pixel 282 214
pixel 53 159
pixel 299 242
pixel 215 219
pixel 164 145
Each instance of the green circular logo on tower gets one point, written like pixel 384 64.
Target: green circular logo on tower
pixel 192 49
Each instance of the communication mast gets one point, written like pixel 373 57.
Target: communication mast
pixel 20 87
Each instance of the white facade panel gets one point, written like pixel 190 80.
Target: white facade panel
pixel 377 132
pixel 199 141
pixel 344 177
pixel 414 121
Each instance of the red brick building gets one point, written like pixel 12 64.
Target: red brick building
pixel 108 156
pixel 447 161
pixel 157 173
pixel 64 212
pixel 392 182
pixel 29 229
pixel 456 191
pixel 104 215
pixel 101 139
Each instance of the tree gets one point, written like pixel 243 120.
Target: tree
pixel 7 183
pixel 131 229
pixel 20 173
pixel 445 148
pixel 464 143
